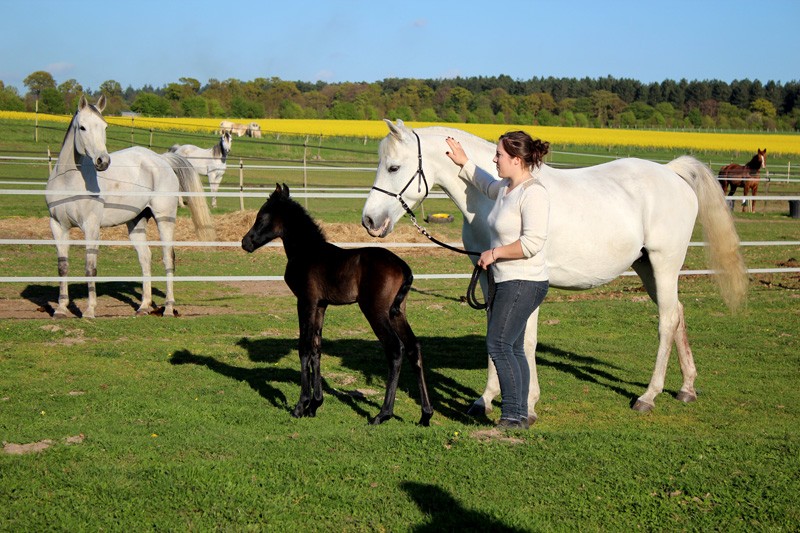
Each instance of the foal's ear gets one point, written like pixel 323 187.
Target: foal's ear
pixel 278 189
pixel 286 190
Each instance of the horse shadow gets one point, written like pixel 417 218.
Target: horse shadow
pixel 43 296
pixel 441 355
pixel 445 513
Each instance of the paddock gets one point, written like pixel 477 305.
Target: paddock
pixel 138 417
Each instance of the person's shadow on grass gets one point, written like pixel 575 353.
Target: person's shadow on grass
pixel 446 514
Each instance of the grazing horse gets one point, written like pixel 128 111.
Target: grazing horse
pixel 254 130
pixel 321 274
pixel 92 189
pixel 604 219
pixel 209 162
pixel 745 176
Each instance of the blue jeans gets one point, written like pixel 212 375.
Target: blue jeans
pixel 508 314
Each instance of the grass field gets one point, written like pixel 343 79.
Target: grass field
pixel 184 423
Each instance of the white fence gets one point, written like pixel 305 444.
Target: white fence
pixel 242 192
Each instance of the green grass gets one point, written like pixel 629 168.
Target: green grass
pixel 187 426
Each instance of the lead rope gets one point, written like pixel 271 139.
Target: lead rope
pixel 471 297
pixel 476 272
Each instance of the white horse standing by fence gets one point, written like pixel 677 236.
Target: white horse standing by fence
pixel 604 219
pixel 211 162
pixel 90 188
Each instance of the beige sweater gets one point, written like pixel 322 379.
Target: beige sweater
pixel 522 214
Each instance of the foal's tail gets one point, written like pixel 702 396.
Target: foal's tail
pixel 718 230
pixel 189 181
pixel 408 279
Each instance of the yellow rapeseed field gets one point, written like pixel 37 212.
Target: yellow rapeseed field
pixel 777 143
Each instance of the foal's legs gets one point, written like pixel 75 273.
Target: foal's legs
pixel 61 233
pixel 311 318
pixel 412 348
pixel 393 348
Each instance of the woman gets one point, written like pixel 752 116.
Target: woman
pixel 518 224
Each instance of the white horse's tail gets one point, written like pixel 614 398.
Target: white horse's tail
pixel 719 231
pixel 189 181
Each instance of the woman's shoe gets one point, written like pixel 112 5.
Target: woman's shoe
pixel 506 423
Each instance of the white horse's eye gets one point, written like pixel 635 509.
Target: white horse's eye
pixel 394 168
pixel 83 128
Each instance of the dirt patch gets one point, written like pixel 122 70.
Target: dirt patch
pixel 11 448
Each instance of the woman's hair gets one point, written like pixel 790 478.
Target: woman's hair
pixel 519 144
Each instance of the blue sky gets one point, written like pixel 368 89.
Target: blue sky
pixel 149 42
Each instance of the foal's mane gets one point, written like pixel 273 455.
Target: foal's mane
pixel 296 221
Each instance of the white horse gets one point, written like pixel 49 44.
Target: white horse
pixel 209 162
pixel 604 219
pixel 90 189
pixel 254 130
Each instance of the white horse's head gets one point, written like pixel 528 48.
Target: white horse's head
pixel 397 178
pixel 225 142
pixel 89 130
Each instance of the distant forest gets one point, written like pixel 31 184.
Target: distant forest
pixel 599 103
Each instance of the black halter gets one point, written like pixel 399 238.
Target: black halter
pixel 420 176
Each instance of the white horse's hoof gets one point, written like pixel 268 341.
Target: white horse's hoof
pixel 686 397
pixel 88 314
pixel 643 406
pixel 478 408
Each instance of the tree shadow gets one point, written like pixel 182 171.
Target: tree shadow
pixel 46 296
pixel 446 514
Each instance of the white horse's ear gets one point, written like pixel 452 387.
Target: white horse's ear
pixel 82 103
pixel 101 103
pixel 399 130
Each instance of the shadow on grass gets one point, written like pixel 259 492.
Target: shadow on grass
pixel 450 398
pixel 366 357
pixel 44 296
pixel 446 514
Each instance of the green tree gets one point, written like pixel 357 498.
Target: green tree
pixel 151 105
pixel 71 90
pixel 763 106
pixel 194 106
pixel 10 99
pixel 52 101
pixel 38 81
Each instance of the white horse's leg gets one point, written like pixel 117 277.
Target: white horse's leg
pixel 137 232
pixel 91 233
pixel 214 179
pixel 663 289
pixel 531 336
pixel 61 233
pixel 687 393
pixel 166 231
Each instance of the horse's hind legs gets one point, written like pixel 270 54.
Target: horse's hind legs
pixel 60 235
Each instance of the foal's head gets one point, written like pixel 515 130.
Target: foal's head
pixel 282 217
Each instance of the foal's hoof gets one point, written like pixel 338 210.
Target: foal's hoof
pixel 379 419
pixel 686 397
pixel 425 420
pixel 643 406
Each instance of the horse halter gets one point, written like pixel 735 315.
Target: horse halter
pixel 420 175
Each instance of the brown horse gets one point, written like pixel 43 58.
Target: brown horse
pixel 745 176
pixel 321 274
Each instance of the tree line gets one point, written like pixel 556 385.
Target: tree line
pixel 587 102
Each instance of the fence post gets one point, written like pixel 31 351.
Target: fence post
pixel 49 160
pixel 305 170
pixel 151 139
pixel 241 185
